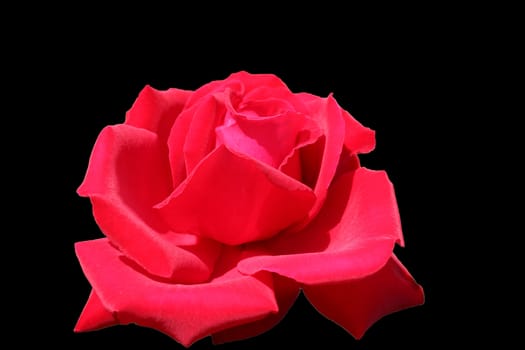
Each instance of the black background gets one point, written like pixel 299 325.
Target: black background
pixel 402 76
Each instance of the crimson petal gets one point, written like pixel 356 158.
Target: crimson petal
pixel 200 136
pixel 156 110
pixel 234 199
pixel 256 138
pixel 187 313
pixel 193 136
pixel 256 83
pixel 95 315
pixel 358 138
pixel 286 292
pixel 127 174
pixel 352 236
pixel 329 118
pixel 357 304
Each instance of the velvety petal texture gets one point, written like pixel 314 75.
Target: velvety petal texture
pixel 356 304
pixel 185 312
pixel 352 237
pixel 95 315
pixel 127 175
pixel 235 199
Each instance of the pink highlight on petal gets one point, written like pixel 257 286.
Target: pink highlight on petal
pixel 269 140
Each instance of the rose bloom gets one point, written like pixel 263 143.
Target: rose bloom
pixel 220 205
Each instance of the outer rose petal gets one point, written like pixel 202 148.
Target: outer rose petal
pixel 95 315
pixel 286 292
pixel 156 110
pixel 234 200
pixel 127 174
pixel 358 138
pixel 356 304
pixel 187 313
pixel 352 237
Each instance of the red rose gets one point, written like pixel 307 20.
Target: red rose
pixel 219 205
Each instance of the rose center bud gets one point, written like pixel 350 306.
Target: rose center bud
pixel 248 187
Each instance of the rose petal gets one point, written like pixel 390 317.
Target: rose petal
pixel 291 165
pixel 311 157
pixel 358 138
pixel 251 86
pixel 256 138
pixel 234 200
pixel 187 313
pixel 176 140
pixel 193 136
pixel 95 315
pixel 286 292
pixel 231 83
pixel 328 116
pixel 257 109
pixel 303 162
pixel 352 237
pixel 357 304
pixel 348 162
pixel 257 84
pixel 127 174
pixel 200 136
pixel 156 110
pixel 266 95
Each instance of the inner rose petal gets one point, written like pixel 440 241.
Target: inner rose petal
pixel 235 199
pixel 254 83
pixel 303 162
pixel 322 156
pixel 264 108
pixel 193 136
pixel 268 140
